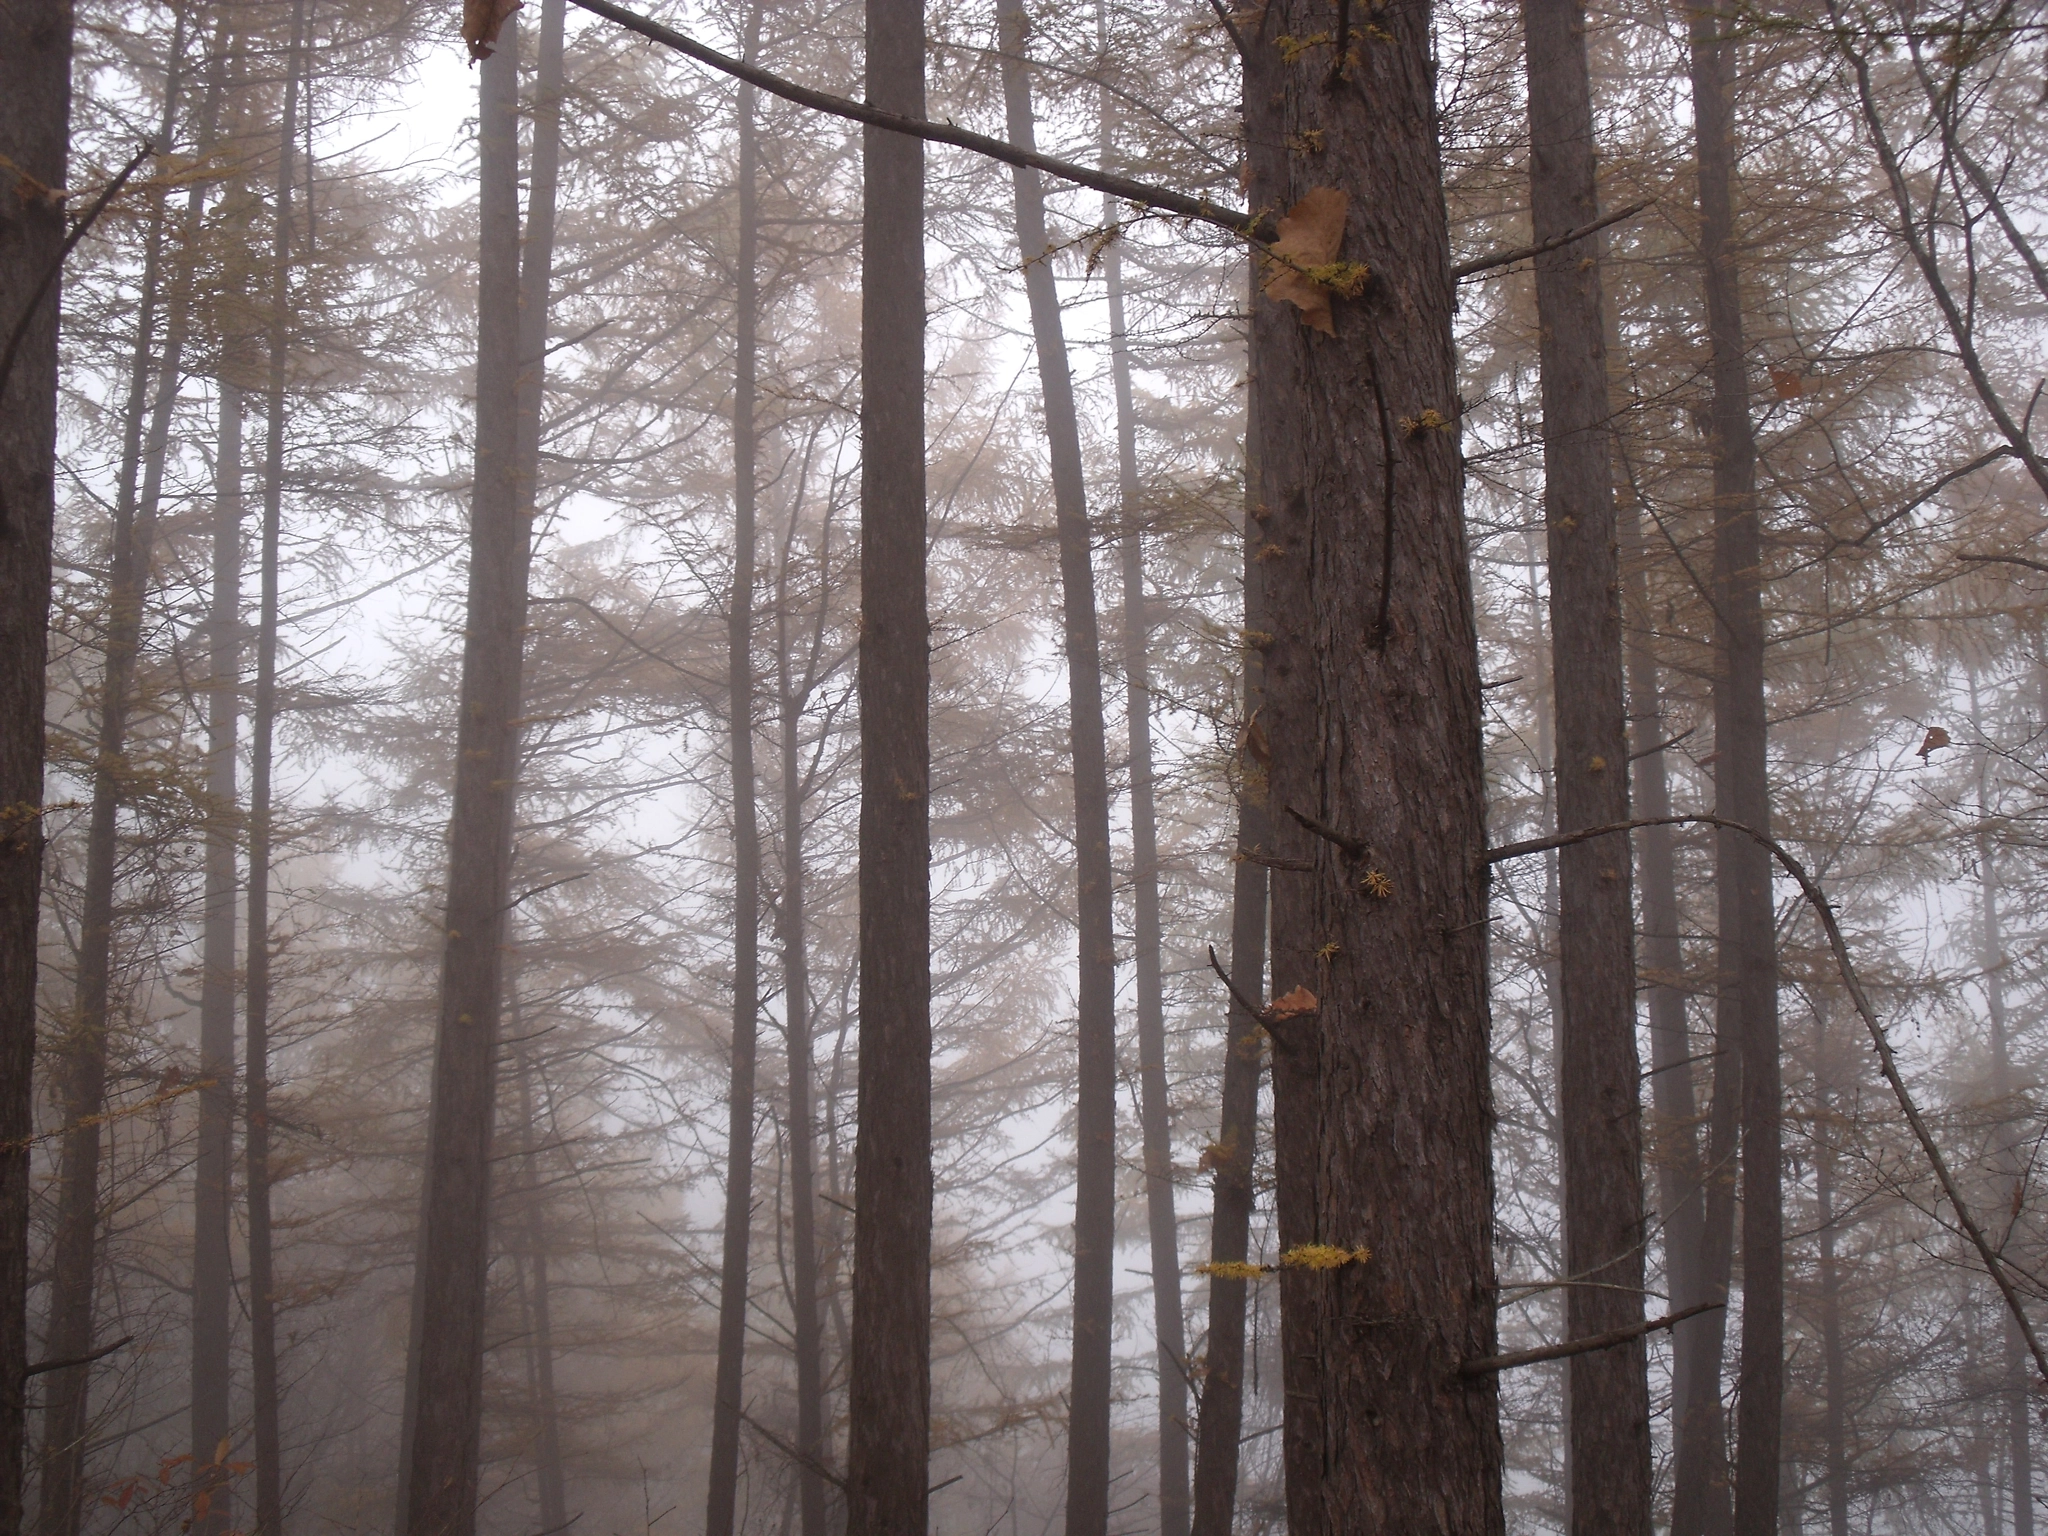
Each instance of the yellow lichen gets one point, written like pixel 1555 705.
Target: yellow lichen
pixel 1226 1270
pixel 1323 1256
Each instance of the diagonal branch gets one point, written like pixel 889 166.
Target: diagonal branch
pixel 1887 1061
pixel 1585 1346
pixel 1544 247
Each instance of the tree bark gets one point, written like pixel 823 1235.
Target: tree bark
pixel 212 1263
pixel 35 124
pixel 1169 1326
pixel 82 1052
pixel 1382 1099
pixel 1233 1156
pixel 1599 1084
pixel 444 1407
pixel 1834 1366
pixel 264 1412
pixel 1088 1399
pixel 796 992
pixel 554 1501
pixel 889 1380
pixel 1747 1015
pixel 722 1496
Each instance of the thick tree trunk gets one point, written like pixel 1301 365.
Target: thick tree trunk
pixel 1748 966
pixel 82 1053
pixel 1088 1397
pixel 35 125
pixel 262 733
pixel 1383 1106
pixel 722 1497
pixel 212 1262
pixel 1168 1323
pixel 1599 1086
pixel 1232 1157
pixel 889 1381
pixel 796 993
pixel 444 1409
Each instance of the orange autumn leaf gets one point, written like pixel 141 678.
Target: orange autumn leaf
pixel 482 20
pixel 1293 1005
pixel 1310 234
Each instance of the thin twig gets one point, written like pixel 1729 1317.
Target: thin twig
pixel 1243 1002
pixel 1330 834
pixel 1544 247
pixel 1887 1061
pixel 801 1458
pixel 1585 1346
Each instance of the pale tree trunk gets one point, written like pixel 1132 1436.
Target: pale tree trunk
pixel 796 991
pixel 1599 1088
pixel 1088 1399
pixel 35 120
pixel 212 1262
pixel 889 1380
pixel 1747 1014
pixel 722 1496
pixel 444 1400
pixel 262 733
pixel 1834 1365
pixel 1168 1324
pixel 82 1053
pixel 1383 1105
pixel 1232 1156
pixel 540 1348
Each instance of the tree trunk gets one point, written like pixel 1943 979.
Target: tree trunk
pixel 1748 965
pixel 554 1501
pixel 723 1494
pixel 1233 1156
pixel 1382 1099
pixel 1168 1324
pixel 1088 1399
pixel 1599 1084
pixel 796 993
pixel 444 1407
pixel 83 1050
pixel 1834 1372
pixel 262 731
pixel 212 1262
pixel 35 124
pixel 889 1381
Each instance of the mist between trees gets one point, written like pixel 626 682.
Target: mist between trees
pixel 1183 768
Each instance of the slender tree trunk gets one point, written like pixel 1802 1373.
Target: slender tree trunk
pixel 1834 1371
pixel 1748 1014
pixel 1383 1106
pixel 723 1495
pixel 554 1501
pixel 1168 1324
pixel 1244 1042
pixel 83 1050
pixel 1088 1399
pixel 1599 1084
pixel 444 1409
pixel 35 126
pixel 796 992
pixel 889 1382
pixel 262 733
pixel 212 1263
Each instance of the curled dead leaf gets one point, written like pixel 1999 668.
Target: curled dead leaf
pixel 1310 234
pixel 1293 1004
pixel 482 21
pixel 1935 740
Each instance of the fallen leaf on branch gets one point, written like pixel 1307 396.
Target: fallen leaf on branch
pixel 1293 1005
pixel 1937 738
pixel 1310 234
pixel 482 21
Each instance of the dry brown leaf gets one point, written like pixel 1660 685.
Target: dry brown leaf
pixel 1251 741
pixel 482 20
pixel 1788 384
pixel 1936 739
pixel 1293 1005
pixel 1310 234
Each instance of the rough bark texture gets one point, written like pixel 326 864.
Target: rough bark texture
pixel 262 730
pixel 1088 1394
pixel 1383 1107
pixel 1233 1154
pixel 1599 1105
pixel 444 1411
pixel 212 1263
pixel 1835 1424
pixel 889 1378
pixel 722 1496
pixel 1748 966
pixel 1169 1325
pixel 35 119
pixel 82 1052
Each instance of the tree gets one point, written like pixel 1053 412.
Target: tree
pixel 35 123
pixel 1381 1099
